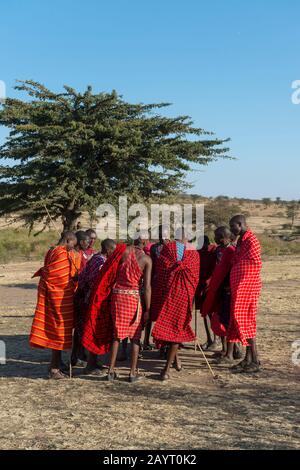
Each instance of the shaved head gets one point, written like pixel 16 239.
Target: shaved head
pixel 68 239
pixel 108 245
pixel 68 235
pixel 238 219
pixel 222 235
pixel 223 231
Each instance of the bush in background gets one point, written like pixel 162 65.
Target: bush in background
pixel 18 245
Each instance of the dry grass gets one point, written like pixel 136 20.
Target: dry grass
pixel 192 411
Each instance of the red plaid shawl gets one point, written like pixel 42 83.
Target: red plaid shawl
pixel 98 329
pixel 245 286
pixel 213 301
pixel 178 281
pixel 208 259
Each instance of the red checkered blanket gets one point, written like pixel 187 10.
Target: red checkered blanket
pixel 98 328
pixel 178 281
pixel 245 286
pixel 219 282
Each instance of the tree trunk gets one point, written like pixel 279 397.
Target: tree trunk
pixel 69 219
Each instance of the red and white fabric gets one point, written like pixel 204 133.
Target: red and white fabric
pixel 245 284
pixel 177 283
pixel 126 307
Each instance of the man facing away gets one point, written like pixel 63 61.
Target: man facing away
pixel 155 284
pixel 54 315
pixel 126 309
pixel 178 269
pixel 245 284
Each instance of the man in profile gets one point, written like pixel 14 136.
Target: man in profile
pixel 54 315
pixel 245 285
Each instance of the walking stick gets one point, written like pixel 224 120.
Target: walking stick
pixel 196 328
pixel 70 363
pixel 208 364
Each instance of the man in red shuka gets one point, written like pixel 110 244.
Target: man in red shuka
pixel 218 298
pixel 178 271
pixel 208 261
pixel 126 309
pixel 245 284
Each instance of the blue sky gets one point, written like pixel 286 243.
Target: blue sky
pixel 227 64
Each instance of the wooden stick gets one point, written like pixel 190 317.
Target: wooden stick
pixel 51 219
pixel 196 328
pixel 208 364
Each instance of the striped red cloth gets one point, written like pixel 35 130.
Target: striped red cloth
pixel 126 309
pixel 98 327
pixel 245 283
pixel 54 315
pixel 178 281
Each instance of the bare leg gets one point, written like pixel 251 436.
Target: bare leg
pixel 171 357
pixel 253 354
pixel 147 334
pixel 134 357
pixel 224 345
pixel 177 363
pixel 209 333
pixel 237 351
pixel 92 361
pixel 228 357
pixel 55 371
pixel 246 362
pixel 114 353
pixel 55 359
pixel 230 347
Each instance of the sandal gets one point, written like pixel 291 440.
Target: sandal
pixel 57 374
pixel 251 368
pixel 111 376
pixel 135 378
pixel 239 367
pixel 177 367
pixel 96 371
pixel 164 376
pixel 225 360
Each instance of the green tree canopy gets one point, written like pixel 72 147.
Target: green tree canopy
pixel 72 151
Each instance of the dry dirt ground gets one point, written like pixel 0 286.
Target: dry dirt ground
pixel 192 411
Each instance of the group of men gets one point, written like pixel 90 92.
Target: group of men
pixel 93 301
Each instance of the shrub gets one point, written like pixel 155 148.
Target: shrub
pixel 17 244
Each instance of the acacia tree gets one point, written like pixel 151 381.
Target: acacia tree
pixel 71 151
